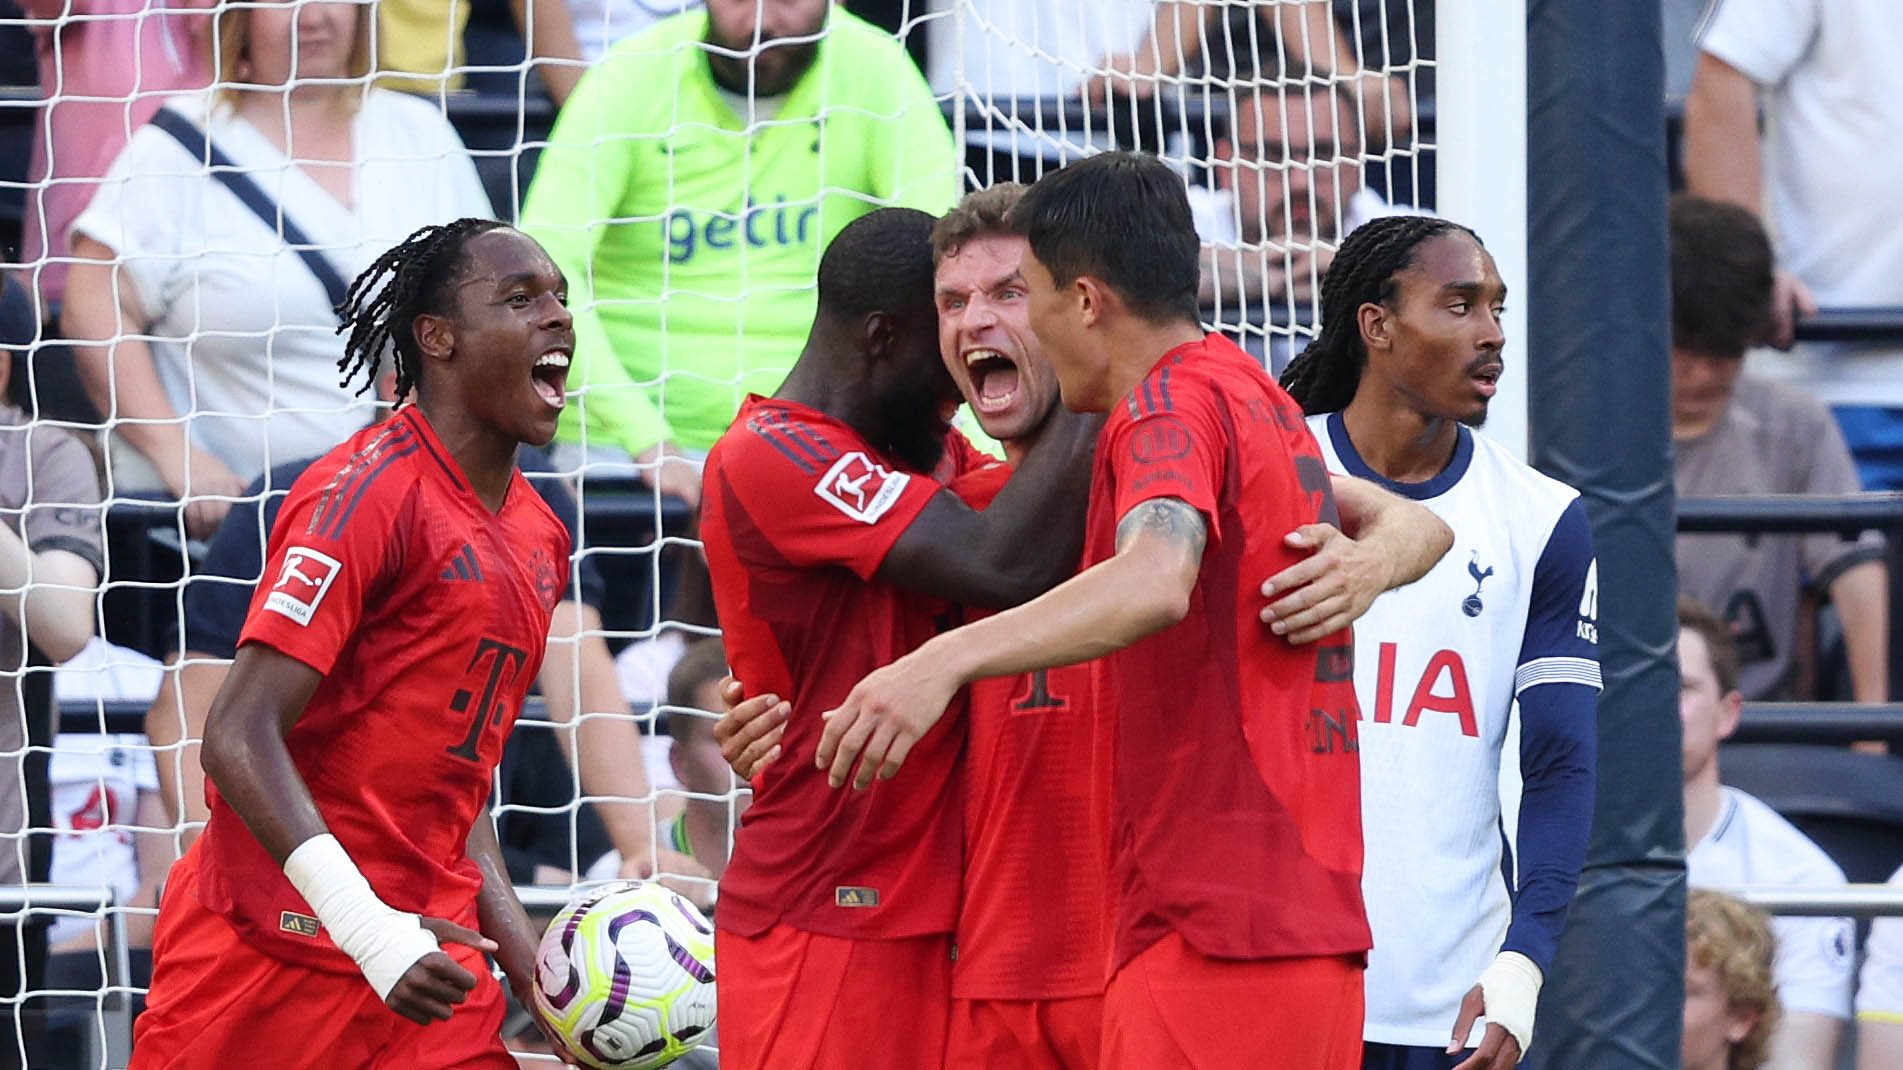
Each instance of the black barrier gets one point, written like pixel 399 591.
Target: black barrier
pixel 1599 417
pixel 1821 722
pixel 1797 514
pixel 1852 325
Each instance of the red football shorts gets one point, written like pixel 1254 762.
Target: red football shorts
pixel 1025 1034
pixel 218 1004
pixel 1173 1006
pixel 794 1000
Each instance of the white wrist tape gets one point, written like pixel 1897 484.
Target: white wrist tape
pixel 382 941
pixel 1511 988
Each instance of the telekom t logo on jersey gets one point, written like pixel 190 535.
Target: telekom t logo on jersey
pixel 302 580
pixel 860 488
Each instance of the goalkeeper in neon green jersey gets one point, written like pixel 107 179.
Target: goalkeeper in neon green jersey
pixel 687 190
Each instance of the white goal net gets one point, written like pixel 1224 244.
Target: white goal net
pixel 192 182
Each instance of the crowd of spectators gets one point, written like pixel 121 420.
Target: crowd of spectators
pixel 204 178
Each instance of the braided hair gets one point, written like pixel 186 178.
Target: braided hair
pixel 1323 378
pixel 413 278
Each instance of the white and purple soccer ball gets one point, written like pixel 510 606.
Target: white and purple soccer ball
pixel 625 976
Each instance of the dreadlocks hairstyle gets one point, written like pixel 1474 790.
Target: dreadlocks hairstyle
pixel 414 277
pixel 1324 376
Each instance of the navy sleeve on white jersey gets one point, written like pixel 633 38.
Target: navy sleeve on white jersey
pixel 1558 689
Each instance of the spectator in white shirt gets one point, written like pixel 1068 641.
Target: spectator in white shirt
pixel 1735 840
pixel 1880 993
pixel 1833 90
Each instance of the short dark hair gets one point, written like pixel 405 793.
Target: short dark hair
pixel 704 662
pixel 1696 617
pixel 1722 268
pixel 1122 217
pixel 980 215
pixel 880 262
pixel 416 276
pixel 1324 377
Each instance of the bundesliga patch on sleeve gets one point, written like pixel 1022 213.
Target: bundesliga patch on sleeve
pixel 302 580
pixel 861 489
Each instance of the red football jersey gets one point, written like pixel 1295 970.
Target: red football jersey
pixel 797 513
pixel 428 617
pixel 1035 924
pixel 1236 784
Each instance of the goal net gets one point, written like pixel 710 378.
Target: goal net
pixel 180 248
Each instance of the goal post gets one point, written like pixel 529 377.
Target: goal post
pixel 1598 282
pixel 1490 137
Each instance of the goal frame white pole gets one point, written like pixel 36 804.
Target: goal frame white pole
pixel 1480 169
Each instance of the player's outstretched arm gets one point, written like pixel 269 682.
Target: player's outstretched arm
pixel 1394 542
pixel 1144 588
pixel 245 756
pixel 1027 542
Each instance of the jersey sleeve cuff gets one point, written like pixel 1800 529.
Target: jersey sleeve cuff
pixel 1583 671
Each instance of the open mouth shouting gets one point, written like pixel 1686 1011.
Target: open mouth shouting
pixel 550 376
pixel 994 381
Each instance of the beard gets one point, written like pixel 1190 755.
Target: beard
pixel 768 72
pixel 913 431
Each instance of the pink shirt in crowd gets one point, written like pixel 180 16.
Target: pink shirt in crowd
pixel 120 59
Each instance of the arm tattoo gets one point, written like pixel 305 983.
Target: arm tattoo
pixel 1172 518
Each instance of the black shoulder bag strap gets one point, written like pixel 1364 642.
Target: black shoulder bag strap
pixel 193 139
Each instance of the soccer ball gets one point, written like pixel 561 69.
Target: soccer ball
pixel 625 976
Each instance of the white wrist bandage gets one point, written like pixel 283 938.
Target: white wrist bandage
pixel 1511 987
pixel 382 941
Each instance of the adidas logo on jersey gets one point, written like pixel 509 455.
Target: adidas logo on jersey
pixel 463 566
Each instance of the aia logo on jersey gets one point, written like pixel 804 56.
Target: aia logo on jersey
pixel 302 580
pixel 861 489
pixel 1442 688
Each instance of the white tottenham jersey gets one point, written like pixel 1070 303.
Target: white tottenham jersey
pixel 1880 986
pixel 1750 843
pixel 1438 665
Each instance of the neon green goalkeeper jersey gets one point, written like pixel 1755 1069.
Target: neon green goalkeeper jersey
pixel 691 237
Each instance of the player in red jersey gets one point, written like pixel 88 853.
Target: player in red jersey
pixel 1033 936
pixel 833 546
pixel 1236 829
pixel 1027 989
pixel 405 610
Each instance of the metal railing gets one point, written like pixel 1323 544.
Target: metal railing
pixel 1846 901
pixel 1847 515
pixel 1821 722
pixel 19 901
pixel 1873 324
